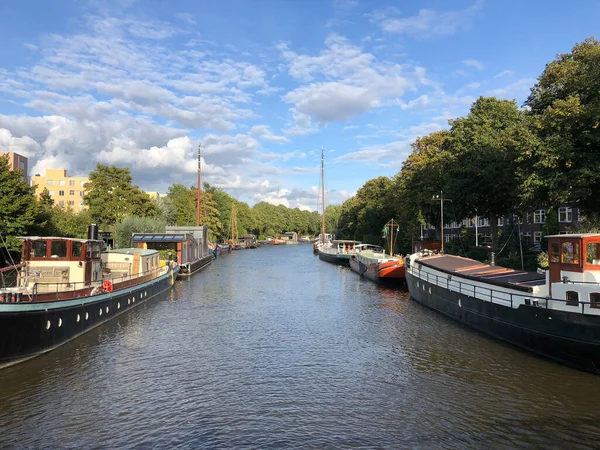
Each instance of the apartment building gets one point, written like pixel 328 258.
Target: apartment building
pixel 65 190
pixel 530 225
pixel 18 162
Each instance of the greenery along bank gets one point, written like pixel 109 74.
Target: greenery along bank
pixel 499 160
pixel 119 206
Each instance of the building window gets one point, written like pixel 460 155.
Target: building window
pixel 71 182
pixel 539 216
pixel 483 222
pixel 500 221
pixel 528 217
pixel 50 182
pixel 71 203
pixel 81 193
pixel 61 193
pixel 51 193
pixel 565 215
pixel 71 192
pixel 22 166
pixel 595 300
pixel 537 237
pixel 61 203
pixel 61 182
pixel 572 298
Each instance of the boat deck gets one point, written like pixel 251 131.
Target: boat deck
pixel 478 271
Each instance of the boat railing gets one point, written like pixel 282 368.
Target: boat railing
pixel 504 298
pixel 70 290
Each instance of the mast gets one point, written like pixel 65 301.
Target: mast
pixel 322 195
pixel 391 224
pixel 232 223
pixel 198 214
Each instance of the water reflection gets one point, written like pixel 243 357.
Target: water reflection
pixel 273 348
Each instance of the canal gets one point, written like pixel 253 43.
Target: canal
pixel 272 348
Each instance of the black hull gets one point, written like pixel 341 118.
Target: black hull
pixel 565 337
pixel 31 329
pixel 342 260
pixel 188 269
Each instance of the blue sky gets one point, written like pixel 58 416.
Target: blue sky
pixel 262 84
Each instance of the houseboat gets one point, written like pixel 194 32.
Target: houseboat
pixel 188 245
pixel 372 262
pixel 67 286
pixel 338 251
pixel 554 313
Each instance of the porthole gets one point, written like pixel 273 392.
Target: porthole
pixel 417 284
pixel 133 300
pixel 78 318
pixel 129 301
pixel 107 310
pixel 145 293
pixel 119 305
pixel 87 316
pixel 59 323
pixel 100 312
pixel 47 325
pixel 430 289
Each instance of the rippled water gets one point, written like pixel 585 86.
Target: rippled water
pixel 272 348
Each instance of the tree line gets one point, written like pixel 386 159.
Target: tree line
pixel 500 160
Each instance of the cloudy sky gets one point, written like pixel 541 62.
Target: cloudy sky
pixel 261 84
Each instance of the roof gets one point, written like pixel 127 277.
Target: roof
pixel 345 241
pixel 158 237
pixel 131 251
pixel 580 235
pixel 56 238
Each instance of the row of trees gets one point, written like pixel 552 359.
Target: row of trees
pixel 499 160
pixel 117 205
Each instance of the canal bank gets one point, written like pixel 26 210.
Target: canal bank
pixel 274 348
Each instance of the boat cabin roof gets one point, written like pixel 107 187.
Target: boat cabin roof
pixel 345 241
pixel 160 237
pixel 368 247
pixel 131 251
pixel 57 238
pixel 575 236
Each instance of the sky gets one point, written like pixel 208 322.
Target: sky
pixel 262 85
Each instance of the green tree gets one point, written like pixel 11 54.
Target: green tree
pixel 183 201
pixel 564 105
pixel 111 197
pixel 18 206
pixel 484 147
pixel 137 224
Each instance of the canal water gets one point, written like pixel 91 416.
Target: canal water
pixel 272 348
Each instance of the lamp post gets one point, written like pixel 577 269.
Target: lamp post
pixel 441 200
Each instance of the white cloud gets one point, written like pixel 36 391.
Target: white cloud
pixel 503 73
pixel 473 63
pixel 263 132
pixel 345 82
pixel 518 89
pixel 428 22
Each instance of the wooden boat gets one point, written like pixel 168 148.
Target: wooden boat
pixel 555 313
pixel 68 286
pixel 372 262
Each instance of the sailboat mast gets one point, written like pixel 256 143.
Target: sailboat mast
pixel 232 223
pixel 198 214
pixel 392 238
pixel 322 195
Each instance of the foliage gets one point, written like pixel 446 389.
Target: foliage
pixel 564 105
pixel 18 206
pixel 111 197
pixel 137 224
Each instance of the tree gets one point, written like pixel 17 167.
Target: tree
pixel 136 224
pixel 111 197
pixel 18 206
pixel 564 110
pixel 484 147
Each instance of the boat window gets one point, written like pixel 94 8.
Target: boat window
pixel 554 252
pixel 572 298
pixel 76 251
pixel 96 250
pixel 58 249
pixel 39 249
pixel 595 300
pixel 592 253
pixel 570 253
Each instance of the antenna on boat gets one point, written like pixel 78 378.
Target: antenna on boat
pixel 391 224
pixel 198 214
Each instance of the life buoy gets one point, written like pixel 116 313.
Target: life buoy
pixel 107 285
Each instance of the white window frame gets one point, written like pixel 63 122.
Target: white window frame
pixel 539 216
pixel 565 214
pixel 537 237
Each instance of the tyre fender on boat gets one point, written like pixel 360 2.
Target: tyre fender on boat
pixel 172 276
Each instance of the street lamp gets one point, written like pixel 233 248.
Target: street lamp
pixel 441 199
